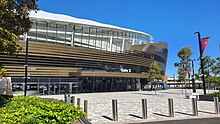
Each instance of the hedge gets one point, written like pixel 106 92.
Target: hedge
pixel 35 110
pixel 215 94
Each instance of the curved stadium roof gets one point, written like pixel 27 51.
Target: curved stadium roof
pixel 42 15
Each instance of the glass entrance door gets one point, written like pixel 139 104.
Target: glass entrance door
pixel 43 89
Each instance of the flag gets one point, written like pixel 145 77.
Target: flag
pixel 189 72
pixel 204 43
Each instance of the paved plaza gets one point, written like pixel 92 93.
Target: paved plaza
pixel 129 105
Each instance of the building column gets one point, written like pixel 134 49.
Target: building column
pixel 71 88
pixel 123 44
pixel 72 37
pixel 138 84
pixel 59 85
pixel 38 86
pixel 81 36
pixel 89 37
pixel 48 87
pixel 54 88
pixel 111 84
pixel 133 41
pixel 111 38
pixel 140 42
pixel 23 86
pixel 93 84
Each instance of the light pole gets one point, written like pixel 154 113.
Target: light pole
pixel 193 77
pixel 26 68
pixel 201 61
pixel 183 69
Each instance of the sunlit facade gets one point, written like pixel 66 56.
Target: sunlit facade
pixel 72 55
pixel 90 35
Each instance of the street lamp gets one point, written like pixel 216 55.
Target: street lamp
pixel 193 77
pixel 201 61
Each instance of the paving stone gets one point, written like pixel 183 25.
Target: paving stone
pixel 129 105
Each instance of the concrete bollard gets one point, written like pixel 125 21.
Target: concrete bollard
pixel 114 110
pixel 86 106
pixel 144 108
pixel 73 100
pixel 194 107
pixel 78 102
pixel 170 106
pixel 216 103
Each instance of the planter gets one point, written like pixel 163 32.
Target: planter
pixel 206 98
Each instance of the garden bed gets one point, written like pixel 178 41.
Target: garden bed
pixel 35 110
pixel 209 97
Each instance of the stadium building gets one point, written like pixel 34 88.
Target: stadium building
pixel 72 55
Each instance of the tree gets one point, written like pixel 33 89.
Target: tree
pixel 2 70
pixel 216 67
pixel 211 69
pixel 14 21
pixel 208 64
pixel 155 73
pixel 183 66
pixel 181 74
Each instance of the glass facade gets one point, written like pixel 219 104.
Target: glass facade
pixel 52 85
pixel 102 38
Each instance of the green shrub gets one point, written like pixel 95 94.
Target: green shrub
pixel 4 99
pixel 215 94
pixel 34 110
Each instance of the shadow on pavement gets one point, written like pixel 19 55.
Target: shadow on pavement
pixel 160 114
pixel 206 112
pixel 143 93
pixel 184 113
pixel 135 116
pixel 106 117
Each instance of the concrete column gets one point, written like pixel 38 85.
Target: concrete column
pixel 70 87
pixel 93 84
pixel 59 85
pixel 72 37
pixel 133 41
pixel 123 45
pixel 140 42
pixel 111 39
pixel 138 85
pixel 23 86
pixel 48 87
pixel 38 86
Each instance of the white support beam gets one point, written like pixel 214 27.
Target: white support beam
pixel 72 36
pixel 133 41
pixel 140 41
pixel 24 37
pixel 123 44
pixel 72 39
pixel 111 39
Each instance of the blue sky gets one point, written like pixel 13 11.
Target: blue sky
pixel 173 21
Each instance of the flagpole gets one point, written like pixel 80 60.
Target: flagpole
pixel 201 61
pixel 189 80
